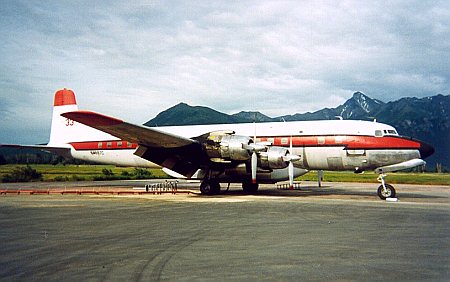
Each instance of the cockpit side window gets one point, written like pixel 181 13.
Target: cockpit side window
pixel 378 133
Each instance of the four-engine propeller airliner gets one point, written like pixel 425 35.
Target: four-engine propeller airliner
pixel 246 153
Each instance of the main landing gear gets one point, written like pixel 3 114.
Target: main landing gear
pixel 250 188
pixel 385 190
pixel 210 187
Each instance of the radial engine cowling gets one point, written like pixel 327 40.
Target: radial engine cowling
pixel 228 147
pixel 273 158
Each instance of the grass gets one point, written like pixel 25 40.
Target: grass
pixel 84 172
pixel 97 172
pixel 370 177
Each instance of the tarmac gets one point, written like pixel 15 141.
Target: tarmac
pixel 339 232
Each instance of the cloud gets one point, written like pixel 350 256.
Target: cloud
pixel 277 57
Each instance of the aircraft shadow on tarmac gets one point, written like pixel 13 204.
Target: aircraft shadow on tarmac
pixel 314 191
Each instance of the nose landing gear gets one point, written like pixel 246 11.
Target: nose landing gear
pixel 385 190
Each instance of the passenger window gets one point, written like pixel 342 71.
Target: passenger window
pixel 100 145
pixel 378 133
pixel 109 144
pixel 119 144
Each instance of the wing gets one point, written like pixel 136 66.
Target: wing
pixel 177 153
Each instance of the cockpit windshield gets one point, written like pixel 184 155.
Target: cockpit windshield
pixel 385 132
pixel 390 132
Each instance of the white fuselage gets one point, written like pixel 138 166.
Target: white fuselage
pixel 321 145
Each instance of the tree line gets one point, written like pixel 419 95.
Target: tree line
pixel 36 158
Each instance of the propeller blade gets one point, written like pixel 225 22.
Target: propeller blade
pixel 291 158
pixel 291 175
pixel 254 165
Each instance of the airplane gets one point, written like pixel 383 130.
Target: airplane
pixel 247 153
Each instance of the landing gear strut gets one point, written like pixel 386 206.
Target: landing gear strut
pixel 210 187
pixel 385 190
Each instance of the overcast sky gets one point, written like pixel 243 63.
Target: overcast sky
pixel 134 59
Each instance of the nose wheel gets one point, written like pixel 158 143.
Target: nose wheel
pixel 385 190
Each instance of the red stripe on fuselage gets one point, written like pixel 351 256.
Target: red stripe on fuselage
pixel 348 141
pixel 103 145
pixel 353 142
pixel 387 142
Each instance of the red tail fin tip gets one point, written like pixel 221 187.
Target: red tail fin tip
pixel 64 97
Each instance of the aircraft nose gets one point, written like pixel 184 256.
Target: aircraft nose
pixel 425 150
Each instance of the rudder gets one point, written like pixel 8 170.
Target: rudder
pixel 64 130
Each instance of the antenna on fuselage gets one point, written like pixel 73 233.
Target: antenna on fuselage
pixel 339 117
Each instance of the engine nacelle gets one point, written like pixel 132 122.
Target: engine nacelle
pixel 226 147
pixel 231 147
pixel 273 158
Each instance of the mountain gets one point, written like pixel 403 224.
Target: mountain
pixel 359 106
pixel 183 114
pixel 426 119
pixel 252 117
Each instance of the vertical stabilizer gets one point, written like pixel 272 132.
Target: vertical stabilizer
pixel 64 130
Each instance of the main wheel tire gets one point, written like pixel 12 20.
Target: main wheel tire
pixel 210 187
pixel 389 193
pixel 250 188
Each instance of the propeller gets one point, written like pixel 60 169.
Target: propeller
pixel 254 164
pixel 255 148
pixel 291 168
pixel 291 175
pixel 254 161
pixel 291 158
